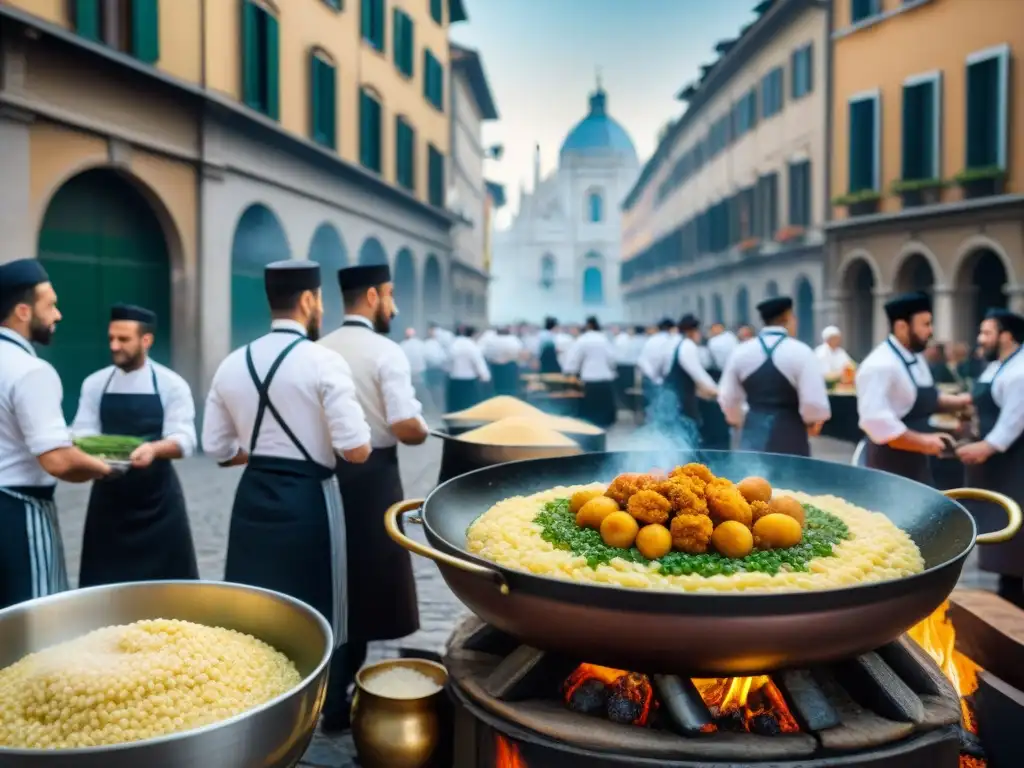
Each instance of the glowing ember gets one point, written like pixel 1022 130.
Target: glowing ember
pixel 623 697
pixel 751 703
pixel 937 637
pixel 506 753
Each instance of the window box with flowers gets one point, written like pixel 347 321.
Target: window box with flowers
pixel 791 235
pixel 981 182
pixel 749 246
pixel 862 203
pixel 917 192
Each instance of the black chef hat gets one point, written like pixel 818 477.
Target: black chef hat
pixel 132 312
pixel 1008 321
pixel 550 323
pixel 282 279
pixel 363 276
pixel 770 309
pixel 905 306
pixel 666 324
pixel 689 322
pixel 21 274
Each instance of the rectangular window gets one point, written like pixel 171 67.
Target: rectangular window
pixel 437 11
pixel 771 93
pixel 922 111
pixel 260 55
pixel 323 101
pixel 369 131
pixel 745 113
pixel 987 107
pixel 861 10
pixel 405 43
pixel 801 69
pixel 405 154
pixel 800 194
pixel 767 206
pixel 372 23
pixel 435 176
pixel 130 26
pixel 864 139
pixel 433 80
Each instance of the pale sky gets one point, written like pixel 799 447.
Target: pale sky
pixel 541 58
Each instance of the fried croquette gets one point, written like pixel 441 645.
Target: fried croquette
pixel 619 530
pixel 694 470
pixel 732 539
pixel 578 499
pixel 654 541
pixel 755 489
pixel 759 509
pixel 649 507
pixel 691 533
pixel 686 494
pixel 787 505
pixel 777 531
pixel 725 502
pixel 628 483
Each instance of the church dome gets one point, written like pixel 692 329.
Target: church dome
pixel 597 133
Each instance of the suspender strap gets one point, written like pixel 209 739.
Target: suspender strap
pixel 769 351
pixel 263 388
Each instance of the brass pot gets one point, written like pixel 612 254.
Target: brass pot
pixel 397 733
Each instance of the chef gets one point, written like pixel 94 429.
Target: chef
pixel 592 359
pixel 284 408
pixel 830 353
pixel 628 344
pixel 547 351
pixel 35 443
pixel 381 587
pixel 686 377
pixel 721 344
pixel 896 395
pixel 777 378
pixel 136 526
pixel 996 460
pixel 467 372
pixel 502 352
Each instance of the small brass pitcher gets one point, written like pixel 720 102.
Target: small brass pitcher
pixel 397 732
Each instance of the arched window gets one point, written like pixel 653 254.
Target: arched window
pixel 547 271
pixel 593 286
pixel 595 207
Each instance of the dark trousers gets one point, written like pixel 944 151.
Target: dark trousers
pixel 345 663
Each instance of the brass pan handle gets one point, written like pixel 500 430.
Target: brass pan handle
pixel 395 511
pixel 1009 505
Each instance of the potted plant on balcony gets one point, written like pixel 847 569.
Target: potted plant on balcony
pixel 749 245
pixel 981 182
pixel 860 203
pixel 917 192
pixel 791 235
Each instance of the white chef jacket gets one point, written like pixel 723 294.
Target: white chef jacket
pixel 416 353
pixel 313 391
pixel 833 361
pixel 688 355
pixel 502 348
pixel 721 348
pixel 434 354
pixel 531 342
pixel 626 349
pixel 175 396
pixel 651 360
pixel 592 357
pixel 1008 392
pixel 485 338
pixel 466 361
pixel 563 343
pixel 31 420
pixel 444 336
pixel 793 359
pixel 886 392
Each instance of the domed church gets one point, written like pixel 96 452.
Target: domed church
pixel 560 255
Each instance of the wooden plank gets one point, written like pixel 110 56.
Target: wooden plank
pixel 990 631
pixel 808 702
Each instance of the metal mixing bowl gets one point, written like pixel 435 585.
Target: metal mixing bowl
pixel 274 735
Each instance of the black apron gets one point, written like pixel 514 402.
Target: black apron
pixel 714 430
pixel 136 526
pixel 31 547
pixel 773 424
pixel 1003 473
pixel 462 394
pixel 549 357
pixel 287 527
pixel 505 378
pixel 382 588
pixel 914 466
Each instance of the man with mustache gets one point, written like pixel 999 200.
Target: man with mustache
pixel 996 459
pixel 896 395
pixel 382 590
pixel 35 443
pixel 136 526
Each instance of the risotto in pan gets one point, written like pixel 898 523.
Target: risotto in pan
pixel 690 530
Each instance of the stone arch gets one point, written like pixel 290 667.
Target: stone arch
pixel 742 307
pixel 548 271
pixel 594 205
pixel 328 249
pixel 803 308
pixel 372 252
pixel 717 308
pixel 916 268
pixel 404 281
pixel 593 285
pixel 771 289
pixel 433 289
pixel 859 282
pixel 259 239
pixel 980 282
pixel 855 258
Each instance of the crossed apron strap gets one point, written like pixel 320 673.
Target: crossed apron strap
pixel 769 351
pixel 152 373
pixel 263 388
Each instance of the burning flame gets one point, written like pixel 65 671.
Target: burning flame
pixel 937 637
pixel 749 696
pixel 506 753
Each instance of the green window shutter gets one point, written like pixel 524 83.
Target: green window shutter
pixel 363 132
pixel 146 30
pixel 428 74
pixel 437 11
pixel 908 144
pixel 369 132
pixel 329 104
pixel 87 19
pixel 273 67
pixel 856 161
pixel 250 56
pixel 809 68
pixel 315 107
pixel 399 34
pixel 366 19
pixel 927 118
pixel 410 46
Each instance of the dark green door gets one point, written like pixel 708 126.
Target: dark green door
pixel 327 249
pixel 259 239
pixel 101 243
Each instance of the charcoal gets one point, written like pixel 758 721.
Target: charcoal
pixel 623 710
pixel 970 745
pixel 731 723
pixel 765 725
pixel 589 698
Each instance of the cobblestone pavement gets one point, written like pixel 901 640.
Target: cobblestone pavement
pixel 210 492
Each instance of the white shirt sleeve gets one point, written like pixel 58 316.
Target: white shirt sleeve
pixel 732 397
pixel 179 414
pixel 220 438
pixel 689 361
pixel 1010 424
pixel 647 361
pixel 483 371
pixel 36 398
pixel 346 421
pixel 810 386
pixel 874 409
pixel 87 417
pixel 573 360
pixel 395 377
